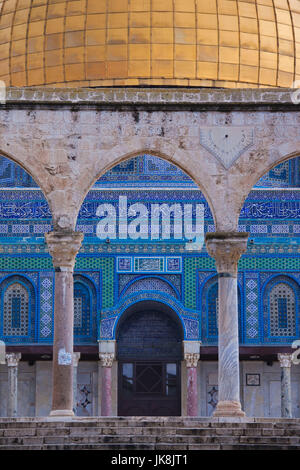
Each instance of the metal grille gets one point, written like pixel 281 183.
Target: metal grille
pixel 15 310
pixel 82 310
pixel 212 311
pixel 282 311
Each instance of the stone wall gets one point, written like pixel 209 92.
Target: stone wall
pixel 260 389
pixel 224 139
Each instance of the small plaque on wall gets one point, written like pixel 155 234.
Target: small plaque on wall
pixel 253 380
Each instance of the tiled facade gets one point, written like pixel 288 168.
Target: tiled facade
pixel 111 276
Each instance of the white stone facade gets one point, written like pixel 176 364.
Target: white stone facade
pixel 263 400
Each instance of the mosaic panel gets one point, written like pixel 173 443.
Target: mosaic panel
pixel 252 307
pixel 173 279
pixel 46 306
pixel 12 175
pixel 150 283
pixel 282 176
pixel 191 265
pixel 144 169
pixel 150 264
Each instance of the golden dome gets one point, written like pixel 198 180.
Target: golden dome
pixel 226 43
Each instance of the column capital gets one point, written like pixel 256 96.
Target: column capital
pixel 226 248
pixel 63 247
pixel 76 358
pixel 285 359
pixel 107 359
pixel 13 359
pixel 191 359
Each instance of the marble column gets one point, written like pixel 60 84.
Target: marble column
pixel 76 358
pixel 192 389
pixel 191 354
pixel 285 361
pixel 107 355
pixel 63 247
pixel 2 352
pixel 226 248
pixel 12 360
pixel 107 360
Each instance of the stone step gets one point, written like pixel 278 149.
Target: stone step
pixel 148 433
pixel 160 446
pixel 138 431
pixel 140 440
pixel 98 426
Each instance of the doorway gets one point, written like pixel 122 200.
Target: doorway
pixel 149 345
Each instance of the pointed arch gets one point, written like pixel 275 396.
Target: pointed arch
pixel 85 310
pixel 18 310
pixel 280 313
pixel 210 309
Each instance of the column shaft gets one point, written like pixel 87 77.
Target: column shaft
pixel 107 359
pixel 192 392
pixel 76 357
pixel 286 391
pixel 227 248
pixel 12 405
pixel 63 248
pixel 229 379
pixel 191 350
pixel 106 402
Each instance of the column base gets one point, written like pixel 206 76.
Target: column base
pixel 61 413
pixel 231 409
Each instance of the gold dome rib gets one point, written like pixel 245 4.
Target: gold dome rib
pixel 226 43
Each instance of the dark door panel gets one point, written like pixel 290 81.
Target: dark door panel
pixel 149 388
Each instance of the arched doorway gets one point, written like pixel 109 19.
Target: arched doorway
pixel 149 345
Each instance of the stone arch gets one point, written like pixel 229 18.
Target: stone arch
pixel 250 179
pixel 188 319
pixel 143 311
pixel 183 159
pixel 30 169
pixel 281 158
pixel 34 175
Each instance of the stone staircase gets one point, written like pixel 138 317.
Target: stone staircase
pixel 148 433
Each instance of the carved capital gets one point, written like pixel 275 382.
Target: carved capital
pixel 13 359
pixel 63 247
pixel 191 359
pixel 226 248
pixel 76 358
pixel 285 359
pixel 106 359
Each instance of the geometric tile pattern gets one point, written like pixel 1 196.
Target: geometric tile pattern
pixel 252 310
pixel 46 305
